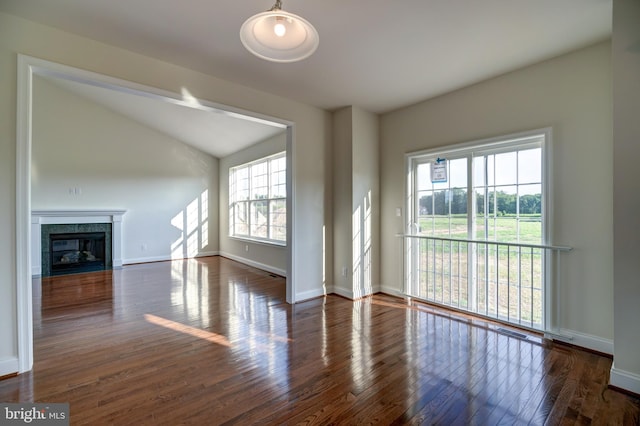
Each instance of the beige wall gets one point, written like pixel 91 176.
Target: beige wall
pixel 626 202
pixel 365 204
pixel 311 136
pixel 341 203
pixel 265 256
pixel 571 94
pixel 356 224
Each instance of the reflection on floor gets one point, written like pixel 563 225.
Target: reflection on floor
pixel 210 341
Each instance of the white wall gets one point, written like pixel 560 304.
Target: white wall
pixel 265 256
pixel 356 203
pixel 571 94
pixel 626 203
pixel 311 137
pixel 170 190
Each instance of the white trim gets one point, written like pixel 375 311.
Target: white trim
pixel 254 240
pixel 233 190
pixel 255 264
pixel 9 366
pixel 311 294
pixel 584 340
pixel 541 138
pixel 391 291
pixel 478 146
pixel 624 380
pixel 71 215
pixel 165 258
pixel 344 292
pixel 292 277
pixel 24 308
pixel 27 67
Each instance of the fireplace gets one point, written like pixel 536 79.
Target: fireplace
pixel 77 252
pixel 76 247
pixel 44 223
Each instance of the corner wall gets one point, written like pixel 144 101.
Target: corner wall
pixel 572 95
pixel 626 199
pixel 356 204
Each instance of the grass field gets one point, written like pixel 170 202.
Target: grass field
pixel 525 229
pixel 506 282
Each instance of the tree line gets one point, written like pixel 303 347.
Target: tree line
pixel 505 204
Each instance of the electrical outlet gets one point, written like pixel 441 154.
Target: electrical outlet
pixel 344 271
pixel 246 247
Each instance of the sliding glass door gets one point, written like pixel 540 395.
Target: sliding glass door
pixel 476 229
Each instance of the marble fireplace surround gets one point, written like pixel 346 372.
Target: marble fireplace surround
pixel 62 217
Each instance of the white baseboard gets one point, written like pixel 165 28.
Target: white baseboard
pixel 588 341
pixel 9 366
pixel 392 291
pixel 624 380
pixel 249 262
pixel 343 292
pixel 350 294
pixel 207 254
pixel 311 294
pixel 164 258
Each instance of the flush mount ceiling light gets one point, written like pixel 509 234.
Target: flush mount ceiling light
pixel 279 36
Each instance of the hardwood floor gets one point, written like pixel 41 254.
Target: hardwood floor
pixel 211 341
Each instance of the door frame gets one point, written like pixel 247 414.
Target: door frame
pixel 551 312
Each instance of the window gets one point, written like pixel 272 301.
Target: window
pixel 477 235
pixel 493 191
pixel 258 200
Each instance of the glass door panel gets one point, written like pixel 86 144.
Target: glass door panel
pixel 494 195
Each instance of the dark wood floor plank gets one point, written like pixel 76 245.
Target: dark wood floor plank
pixel 212 341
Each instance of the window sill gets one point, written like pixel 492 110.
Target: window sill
pixel 259 241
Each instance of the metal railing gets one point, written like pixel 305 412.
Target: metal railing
pixel 508 282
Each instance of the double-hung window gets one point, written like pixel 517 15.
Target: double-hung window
pixel 258 200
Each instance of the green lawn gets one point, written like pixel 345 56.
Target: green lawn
pixel 525 229
pixel 508 281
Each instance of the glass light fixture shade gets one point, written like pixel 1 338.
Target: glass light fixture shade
pixel 279 36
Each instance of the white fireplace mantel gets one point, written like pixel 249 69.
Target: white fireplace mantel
pixel 62 217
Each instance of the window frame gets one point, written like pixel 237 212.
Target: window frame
pixel 506 143
pixel 496 145
pixel 237 198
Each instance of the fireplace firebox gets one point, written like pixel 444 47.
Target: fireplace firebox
pixel 77 252
pixel 75 247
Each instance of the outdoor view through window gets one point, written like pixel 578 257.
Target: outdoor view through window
pixel 476 231
pixel 258 200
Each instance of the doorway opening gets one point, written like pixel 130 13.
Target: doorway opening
pixel 28 68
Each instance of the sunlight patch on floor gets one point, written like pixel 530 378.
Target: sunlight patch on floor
pixel 186 329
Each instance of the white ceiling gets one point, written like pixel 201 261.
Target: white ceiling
pixel 379 55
